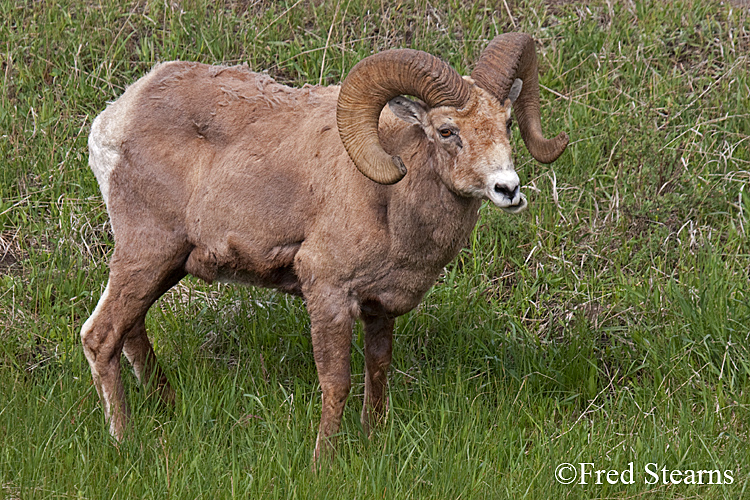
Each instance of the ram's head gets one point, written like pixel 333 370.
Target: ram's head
pixel 467 118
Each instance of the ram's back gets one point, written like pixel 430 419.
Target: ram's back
pixel 242 168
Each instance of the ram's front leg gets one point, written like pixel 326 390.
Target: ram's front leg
pixel 331 325
pixel 378 342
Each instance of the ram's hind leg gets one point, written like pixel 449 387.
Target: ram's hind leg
pixel 102 353
pixel 117 324
pixel 139 352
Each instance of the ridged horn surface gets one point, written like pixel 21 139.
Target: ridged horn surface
pixel 507 57
pixel 376 80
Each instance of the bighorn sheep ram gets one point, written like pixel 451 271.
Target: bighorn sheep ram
pixel 226 175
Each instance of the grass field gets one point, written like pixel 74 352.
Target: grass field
pixel 608 324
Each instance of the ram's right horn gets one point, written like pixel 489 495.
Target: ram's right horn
pixel 371 84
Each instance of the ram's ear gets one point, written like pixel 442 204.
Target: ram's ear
pixel 410 111
pixel 515 90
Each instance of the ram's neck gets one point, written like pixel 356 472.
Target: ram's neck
pixel 427 222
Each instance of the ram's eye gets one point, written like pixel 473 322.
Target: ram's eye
pixel 445 132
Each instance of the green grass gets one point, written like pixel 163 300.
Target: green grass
pixel 610 323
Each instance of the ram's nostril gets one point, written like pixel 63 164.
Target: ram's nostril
pixel 506 190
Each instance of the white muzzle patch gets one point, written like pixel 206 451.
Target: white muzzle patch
pixel 504 190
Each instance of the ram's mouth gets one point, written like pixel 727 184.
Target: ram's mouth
pixel 520 207
pixel 506 194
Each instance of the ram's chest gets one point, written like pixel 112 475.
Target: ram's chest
pixel 418 255
pixel 399 292
pixel 399 284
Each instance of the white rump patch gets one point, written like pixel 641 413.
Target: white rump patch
pixel 103 155
pixel 108 131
